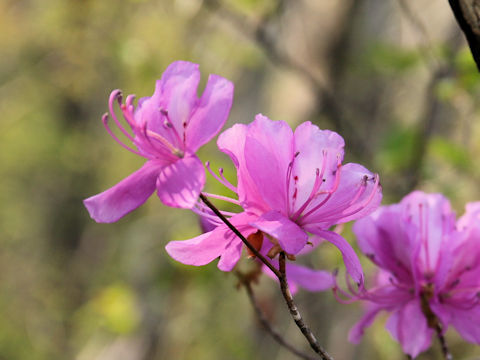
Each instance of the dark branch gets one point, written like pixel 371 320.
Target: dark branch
pixel 268 327
pixel 239 234
pixel 443 343
pixel 467 13
pixel 297 317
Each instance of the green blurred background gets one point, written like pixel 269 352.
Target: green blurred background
pixel 394 77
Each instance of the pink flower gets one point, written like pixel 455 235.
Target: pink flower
pixel 429 270
pixel 290 184
pixel 166 129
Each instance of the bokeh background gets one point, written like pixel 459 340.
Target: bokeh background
pixel 394 77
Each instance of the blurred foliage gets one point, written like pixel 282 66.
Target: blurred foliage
pixel 73 289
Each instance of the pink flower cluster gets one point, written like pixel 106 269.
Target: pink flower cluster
pixel 429 270
pixel 292 188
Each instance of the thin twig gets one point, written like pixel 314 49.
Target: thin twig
pixel 266 324
pixel 282 278
pixel 297 317
pixel 443 343
pixel 239 234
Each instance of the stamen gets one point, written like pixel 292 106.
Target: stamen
pixel 427 250
pixel 220 197
pixel 287 185
pixel 165 142
pixel 316 185
pixel 162 150
pixel 128 109
pixel 230 186
pixel 171 126
pixel 329 192
pixel 222 180
pixel 360 207
pixel 208 215
pixel 117 95
pixel 110 132
pixel 202 206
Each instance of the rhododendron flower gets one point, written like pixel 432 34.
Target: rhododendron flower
pixel 298 276
pixel 429 274
pixel 166 129
pixel 290 184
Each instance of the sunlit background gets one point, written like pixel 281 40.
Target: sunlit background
pixel 394 77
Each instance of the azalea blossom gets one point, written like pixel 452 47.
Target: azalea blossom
pixel 298 276
pixel 429 275
pixel 166 129
pixel 290 185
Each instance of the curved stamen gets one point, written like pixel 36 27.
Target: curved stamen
pixel 425 225
pixel 117 95
pixel 360 207
pixel 228 183
pixel 110 132
pixel 164 142
pixel 222 180
pixel 337 297
pixel 169 125
pixel 220 197
pixel 128 110
pixel 210 216
pixel 154 148
pixel 329 192
pixel 206 208
pixel 316 185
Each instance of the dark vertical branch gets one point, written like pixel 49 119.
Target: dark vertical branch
pixel 467 13
pixel 297 317
pixel 443 343
pixel 266 324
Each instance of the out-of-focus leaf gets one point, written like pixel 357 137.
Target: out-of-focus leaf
pixel 446 89
pixel 452 153
pixel 389 59
pixel 116 307
pixel 468 75
pixel 397 149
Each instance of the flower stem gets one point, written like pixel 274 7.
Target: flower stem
pixel 297 317
pixel 443 343
pixel 282 278
pixel 266 324
pixel 239 234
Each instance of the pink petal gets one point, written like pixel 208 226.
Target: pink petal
pixel 409 327
pixel 176 93
pixel 301 276
pixel 126 196
pixel 289 235
pixel 221 242
pixel 211 112
pixel 179 184
pixel 471 216
pixel 200 250
pixel 178 89
pixel 467 323
pixel 433 217
pixel 232 143
pixel 314 147
pixel 268 153
pixel 386 239
pixel 312 280
pixel 357 331
pixel 352 264
pixel 232 254
pixel 344 204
